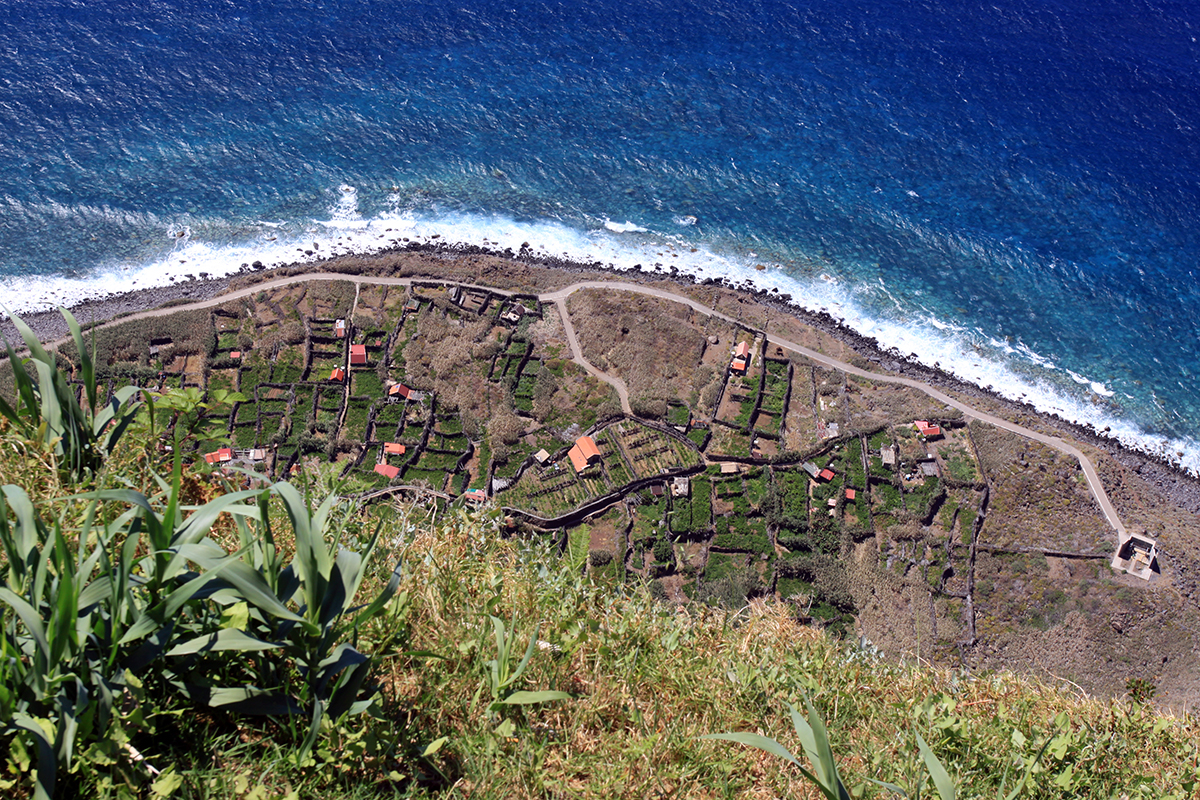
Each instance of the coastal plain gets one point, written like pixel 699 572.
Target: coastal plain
pixel 807 473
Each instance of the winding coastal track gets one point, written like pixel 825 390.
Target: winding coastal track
pixel 559 298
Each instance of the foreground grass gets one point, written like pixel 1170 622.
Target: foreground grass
pixel 646 680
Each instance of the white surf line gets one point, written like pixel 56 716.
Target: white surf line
pixel 560 295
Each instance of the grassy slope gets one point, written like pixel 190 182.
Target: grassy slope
pixel 648 679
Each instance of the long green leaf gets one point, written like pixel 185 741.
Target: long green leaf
pixel 941 778
pixel 227 639
pixel 346 691
pixel 776 749
pixel 529 698
pixel 29 616
pixel 248 700
pixel 820 752
pixel 250 584
pixel 87 372
pixel 755 740
pixel 47 762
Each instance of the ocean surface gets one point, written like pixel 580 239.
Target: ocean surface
pixel 1007 189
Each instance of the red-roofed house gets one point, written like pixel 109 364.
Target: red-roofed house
pixel 851 494
pixel 387 471
pixel 741 357
pixel 927 430
pixel 587 445
pixel 220 456
pixel 583 453
pixel 236 354
pixel 400 390
pixel 358 355
pixel 826 474
pixel 393 449
pixel 337 375
pixel 476 495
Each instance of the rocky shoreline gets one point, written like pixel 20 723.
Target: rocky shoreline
pixel 441 260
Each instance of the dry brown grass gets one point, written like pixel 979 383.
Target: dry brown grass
pixel 647 679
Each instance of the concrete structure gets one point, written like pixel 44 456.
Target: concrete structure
pixel 339 329
pixel 541 457
pixel 890 455
pixel 811 468
pixel 681 487
pixel 730 468
pixel 1137 555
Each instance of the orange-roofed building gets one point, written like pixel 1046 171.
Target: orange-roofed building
pixel 338 374
pixel 220 456
pixel 393 449
pixel 387 471
pixel 476 495
pixel 826 475
pixel 358 355
pixel 741 357
pixel 400 390
pixel 851 494
pixel 578 460
pixel 587 445
pixel 236 354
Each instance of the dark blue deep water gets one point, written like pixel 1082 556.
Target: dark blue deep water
pixel 1008 188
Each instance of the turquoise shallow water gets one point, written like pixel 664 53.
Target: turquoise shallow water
pixel 1007 190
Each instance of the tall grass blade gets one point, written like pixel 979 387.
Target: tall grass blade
pixel 941 778
pixel 47 762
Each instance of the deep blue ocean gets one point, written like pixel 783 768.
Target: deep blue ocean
pixel 1009 189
